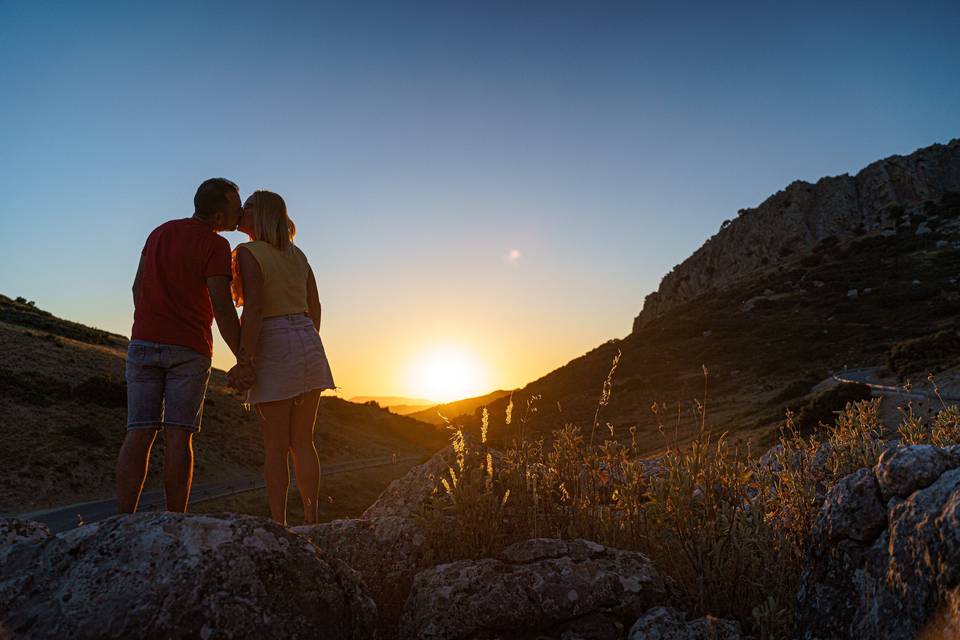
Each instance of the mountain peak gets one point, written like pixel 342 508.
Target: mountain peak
pixel 791 222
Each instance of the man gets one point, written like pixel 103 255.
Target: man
pixel 182 284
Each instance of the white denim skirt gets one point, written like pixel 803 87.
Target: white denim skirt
pixel 290 360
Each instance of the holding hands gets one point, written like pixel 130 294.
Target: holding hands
pixel 242 375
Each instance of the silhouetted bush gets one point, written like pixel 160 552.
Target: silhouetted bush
pixel 32 388
pixel 102 391
pixel 824 407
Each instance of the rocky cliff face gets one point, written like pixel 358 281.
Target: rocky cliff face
pixel 792 222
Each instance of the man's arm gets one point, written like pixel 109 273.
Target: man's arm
pixel 136 281
pixel 223 310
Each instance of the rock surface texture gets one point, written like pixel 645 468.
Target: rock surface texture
pixel 387 552
pixel 793 221
pixel 891 577
pixel 664 623
pixel 176 576
pixel 404 496
pixel 17 532
pixel 541 588
pixel 387 545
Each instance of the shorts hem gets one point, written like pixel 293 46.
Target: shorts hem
pixel 154 424
pixel 185 427
pixel 158 426
pixel 321 387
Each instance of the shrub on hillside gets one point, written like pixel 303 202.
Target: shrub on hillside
pixel 24 313
pixel 925 354
pixel 729 529
pixel 824 406
pixel 110 393
pixel 32 388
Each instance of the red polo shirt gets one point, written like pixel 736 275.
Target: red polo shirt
pixel 174 304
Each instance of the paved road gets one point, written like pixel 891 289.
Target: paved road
pixel 70 516
pixel 868 377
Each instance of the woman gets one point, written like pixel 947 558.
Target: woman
pixel 279 333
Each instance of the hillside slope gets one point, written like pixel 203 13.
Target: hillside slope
pixel 63 411
pixel 441 413
pixel 758 345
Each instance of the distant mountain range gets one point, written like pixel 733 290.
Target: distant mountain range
pixel 396 404
pixel 450 411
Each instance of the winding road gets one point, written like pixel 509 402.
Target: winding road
pixel 71 516
pixel 868 376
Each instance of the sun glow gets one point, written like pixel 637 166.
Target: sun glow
pixel 448 373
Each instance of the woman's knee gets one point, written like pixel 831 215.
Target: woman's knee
pixel 276 447
pixel 303 445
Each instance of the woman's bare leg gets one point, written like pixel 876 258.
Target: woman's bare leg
pixel 306 463
pixel 275 424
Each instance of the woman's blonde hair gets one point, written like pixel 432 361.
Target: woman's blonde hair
pixel 270 220
pixel 270 224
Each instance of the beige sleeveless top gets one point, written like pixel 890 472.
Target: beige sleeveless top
pixel 285 275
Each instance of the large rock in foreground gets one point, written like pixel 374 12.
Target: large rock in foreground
pixel 536 588
pixel 177 576
pixel 664 623
pixel 387 552
pixel 14 531
pixel 405 496
pixel 886 556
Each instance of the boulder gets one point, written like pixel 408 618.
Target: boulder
pixel 915 574
pixel 404 496
pixel 387 552
pixel 541 586
pixel 852 510
pixel 162 575
pixel 901 584
pixel 14 531
pixel 664 623
pixel 387 545
pixel 902 471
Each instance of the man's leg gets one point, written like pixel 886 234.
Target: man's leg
pixel 177 467
pixel 132 468
pixel 145 381
pixel 187 373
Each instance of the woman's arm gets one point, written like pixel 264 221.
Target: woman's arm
pixel 252 280
pixel 313 299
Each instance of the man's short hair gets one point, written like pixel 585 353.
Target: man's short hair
pixel 212 197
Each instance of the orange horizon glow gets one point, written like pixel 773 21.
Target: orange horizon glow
pixel 446 372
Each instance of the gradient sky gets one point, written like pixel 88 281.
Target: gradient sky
pixel 510 179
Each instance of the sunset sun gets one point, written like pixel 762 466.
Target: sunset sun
pixel 446 373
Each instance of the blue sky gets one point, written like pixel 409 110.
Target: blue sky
pixel 418 144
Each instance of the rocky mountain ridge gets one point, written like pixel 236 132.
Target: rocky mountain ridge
pixel 793 221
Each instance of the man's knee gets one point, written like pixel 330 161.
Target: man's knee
pixel 178 438
pixel 138 440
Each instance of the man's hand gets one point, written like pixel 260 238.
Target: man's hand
pixel 241 376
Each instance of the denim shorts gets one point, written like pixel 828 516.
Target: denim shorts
pixel 165 386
